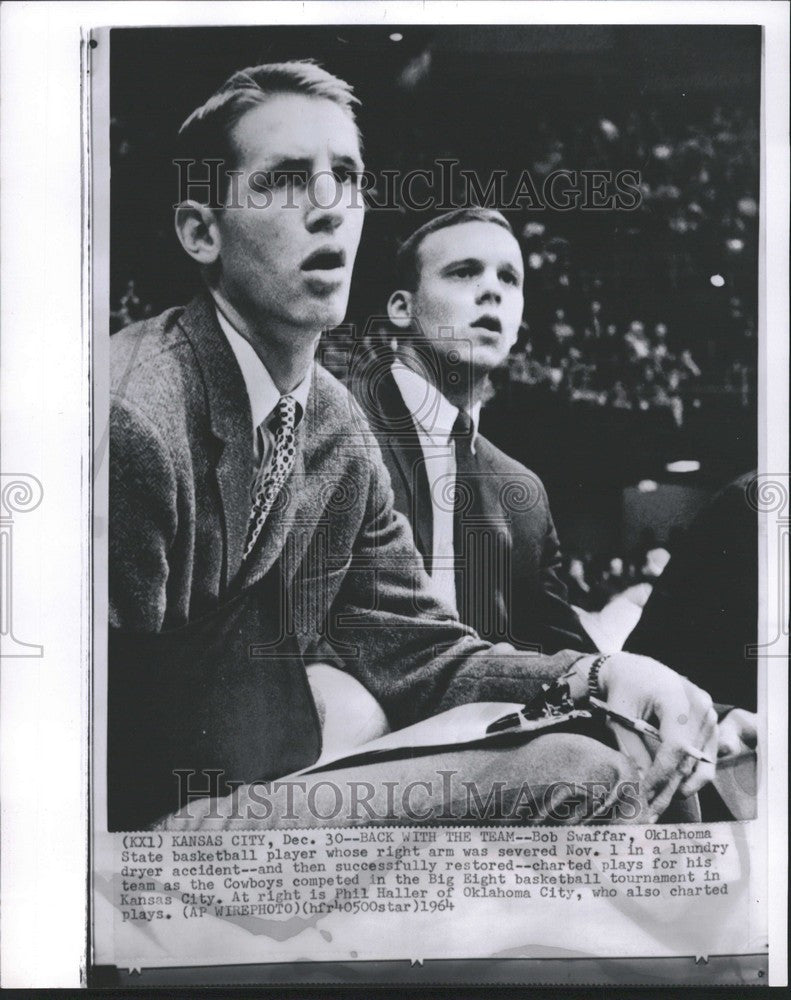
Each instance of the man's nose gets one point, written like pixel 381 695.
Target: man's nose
pixel 325 202
pixel 488 289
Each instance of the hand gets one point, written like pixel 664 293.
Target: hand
pixel 737 733
pixel 643 688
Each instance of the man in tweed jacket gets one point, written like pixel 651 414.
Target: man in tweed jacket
pixel 193 396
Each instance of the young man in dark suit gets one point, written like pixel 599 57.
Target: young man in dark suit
pixel 481 520
pixel 251 515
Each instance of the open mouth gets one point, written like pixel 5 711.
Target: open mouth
pixel 325 259
pixel 491 323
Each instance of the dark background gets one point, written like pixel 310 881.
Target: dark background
pixel 684 102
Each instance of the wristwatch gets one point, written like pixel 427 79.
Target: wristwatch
pixel 575 680
pixel 594 691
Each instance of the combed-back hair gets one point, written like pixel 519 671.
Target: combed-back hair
pixel 207 133
pixel 407 271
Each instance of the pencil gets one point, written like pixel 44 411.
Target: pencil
pixel 644 728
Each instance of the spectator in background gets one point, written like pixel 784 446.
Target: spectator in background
pixel 562 334
pixel 619 397
pixel 636 341
pixel 579 588
pixel 130 309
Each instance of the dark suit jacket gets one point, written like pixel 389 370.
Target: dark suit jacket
pixel 181 457
pixel 519 583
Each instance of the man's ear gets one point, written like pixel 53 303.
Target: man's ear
pixel 399 309
pixel 197 230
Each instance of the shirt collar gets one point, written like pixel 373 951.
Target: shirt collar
pixel 431 411
pixel 262 391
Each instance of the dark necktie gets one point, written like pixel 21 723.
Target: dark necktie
pixel 278 471
pixel 466 524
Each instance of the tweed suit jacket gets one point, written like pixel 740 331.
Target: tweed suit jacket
pixel 181 468
pixel 519 580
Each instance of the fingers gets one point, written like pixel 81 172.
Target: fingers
pixel 749 728
pixel 687 721
pixel 703 773
pixel 663 779
pixel 691 724
pixel 664 797
pixel 728 741
pixel 643 688
pixel 737 732
pixel 661 776
pixel 631 744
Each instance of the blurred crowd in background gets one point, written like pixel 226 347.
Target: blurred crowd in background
pixel 696 223
pixel 594 580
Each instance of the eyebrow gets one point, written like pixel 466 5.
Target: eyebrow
pixel 477 262
pixel 286 163
pixel 463 262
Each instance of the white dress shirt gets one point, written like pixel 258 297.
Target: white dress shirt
pixel 434 418
pixel 263 395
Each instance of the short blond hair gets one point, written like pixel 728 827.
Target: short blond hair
pixel 207 132
pixel 407 264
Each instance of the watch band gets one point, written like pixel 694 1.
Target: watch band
pixel 594 691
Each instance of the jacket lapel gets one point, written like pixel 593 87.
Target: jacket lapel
pixel 489 483
pixel 398 436
pixel 231 424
